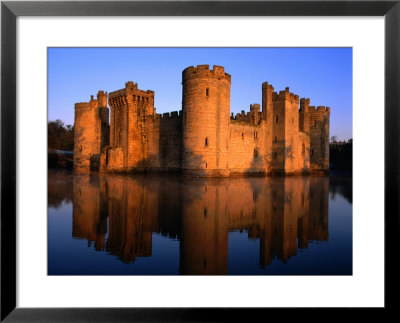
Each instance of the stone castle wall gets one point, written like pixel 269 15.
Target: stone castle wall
pixel 246 148
pixel 202 139
pixel 91 132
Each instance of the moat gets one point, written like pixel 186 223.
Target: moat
pixel 109 224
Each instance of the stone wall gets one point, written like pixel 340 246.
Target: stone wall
pixel 165 142
pixel 246 152
pixel 91 132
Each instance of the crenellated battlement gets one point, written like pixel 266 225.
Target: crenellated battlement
pixel 82 105
pixel 304 104
pixel 285 95
pixel 320 109
pixel 268 86
pixel 251 117
pixel 102 98
pixel 93 103
pixel 130 92
pixel 203 71
pixel 255 107
pixel 131 85
pixel 169 115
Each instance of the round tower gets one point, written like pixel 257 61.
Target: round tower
pixel 205 128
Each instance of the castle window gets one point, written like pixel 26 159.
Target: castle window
pixel 207 92
pixel 312 152
pixel 275 154
pixel 276 139
pixel 255 153
pixel 205 212
pixel 206 142
pixel 276 118
pixel 206 165
pixel 315 123
pixel 255 134
pixel 303 149
pixel 242 135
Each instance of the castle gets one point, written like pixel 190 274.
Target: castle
pixel 203 139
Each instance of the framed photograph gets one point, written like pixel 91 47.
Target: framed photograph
pixel 196 161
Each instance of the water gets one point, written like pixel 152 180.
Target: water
pixel 153 225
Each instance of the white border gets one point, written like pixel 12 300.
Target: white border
pixel 364 288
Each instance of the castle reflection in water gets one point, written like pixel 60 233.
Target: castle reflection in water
pixel 119 214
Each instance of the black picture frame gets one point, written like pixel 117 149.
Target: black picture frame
pixel 10 10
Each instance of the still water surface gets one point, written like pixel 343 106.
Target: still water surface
pixel 142 225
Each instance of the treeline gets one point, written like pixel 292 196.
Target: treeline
pixel 60 136
pixel 341 155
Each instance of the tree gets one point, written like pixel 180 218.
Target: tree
pixel 60 136
pixel 334 139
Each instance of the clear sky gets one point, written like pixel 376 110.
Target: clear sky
pixel 322 74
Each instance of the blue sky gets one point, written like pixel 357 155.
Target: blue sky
pixel 322 74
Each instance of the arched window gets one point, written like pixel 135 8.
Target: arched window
pixel 242 135
pixel 276 139
pixel 303 149
pixel 276 118
pixel 207 92
pixel 206 142
pixel 275 154
pixel 312 152
pixel 315 123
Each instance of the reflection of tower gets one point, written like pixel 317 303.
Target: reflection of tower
pixel 129 222
pixel 205 129
pixel 279 219
pixel 89 213
pixel 287 202
pixel 270 232
pixel 204 242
